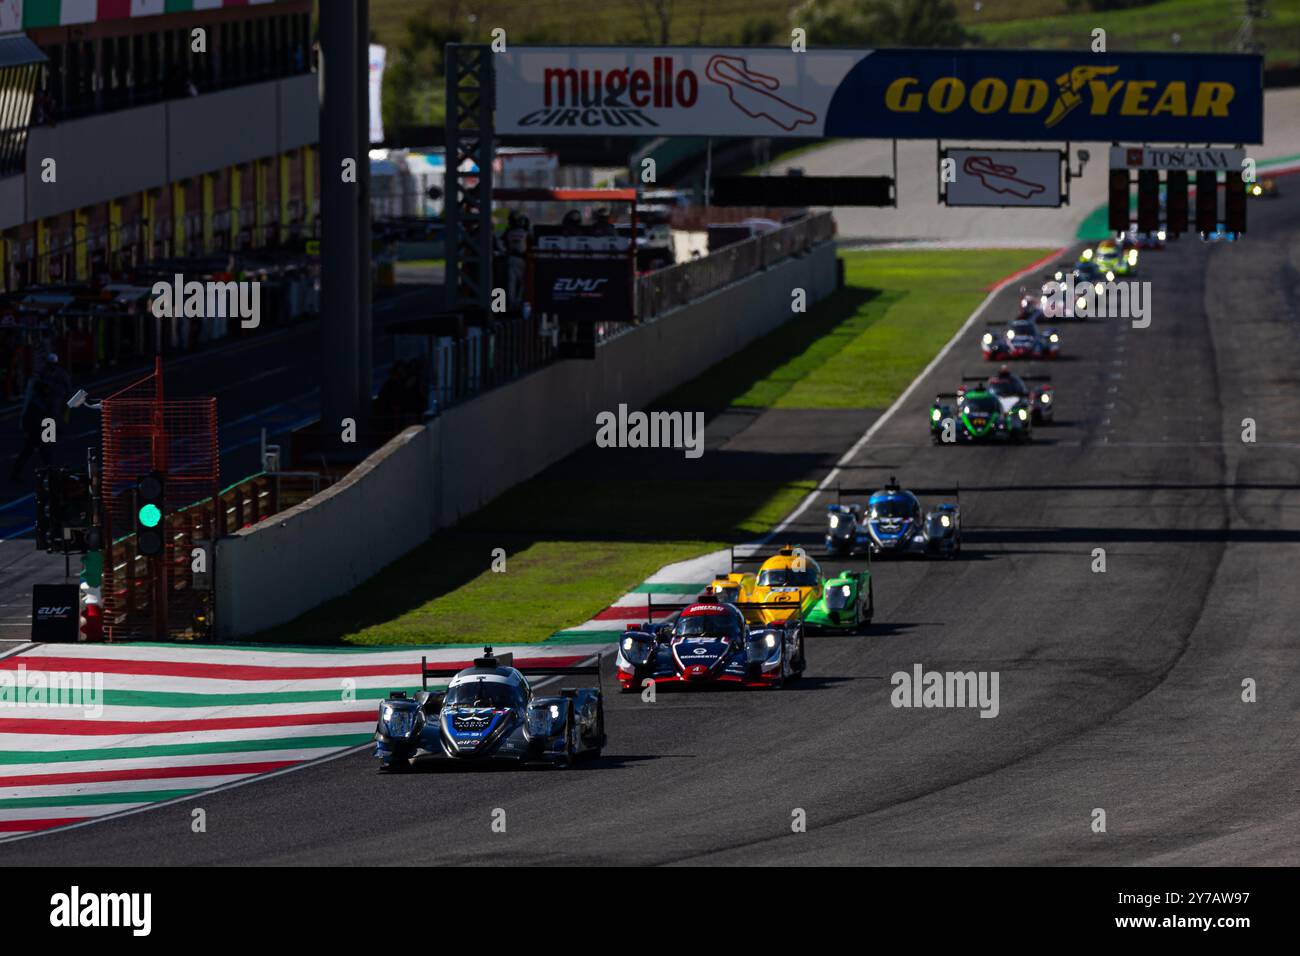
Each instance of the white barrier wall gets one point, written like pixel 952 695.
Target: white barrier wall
pixel 431 476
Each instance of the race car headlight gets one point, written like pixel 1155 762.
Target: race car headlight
pixel 1110 277
pixel 397 721
pixel 1054 337
pixel 1022 414
pixel 988 337
pixel 537 722
pixel 1079 303
pixel 935 414
pixel 1132 257
pixel 1045 398
pixel 1087 254
pixel 1010 335
pixel 1257 190
pixel 945 521
pixel 835 521
pixel 1100 287
pixel 636 651
pixel 1161 235
pixel 759 646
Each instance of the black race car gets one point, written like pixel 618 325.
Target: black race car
pixel 975 414
pixel 1013 390
pixel 490 712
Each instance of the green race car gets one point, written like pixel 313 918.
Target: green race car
pixel 847 603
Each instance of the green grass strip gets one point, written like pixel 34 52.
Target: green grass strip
pixel 92 799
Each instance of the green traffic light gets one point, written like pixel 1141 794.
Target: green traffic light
pixel 150 516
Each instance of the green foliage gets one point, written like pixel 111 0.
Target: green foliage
pixel 876 23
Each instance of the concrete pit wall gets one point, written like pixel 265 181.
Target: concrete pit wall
pixel 430 476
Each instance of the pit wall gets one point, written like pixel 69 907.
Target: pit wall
pixel 430 476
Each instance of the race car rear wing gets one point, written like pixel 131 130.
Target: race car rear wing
pixel 794 617
pixel 841 490
pixel 505 660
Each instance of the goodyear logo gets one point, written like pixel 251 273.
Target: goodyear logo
pixel 1095 89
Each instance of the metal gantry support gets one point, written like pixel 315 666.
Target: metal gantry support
pixel 468 194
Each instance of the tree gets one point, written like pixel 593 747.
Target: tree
pixel 876 23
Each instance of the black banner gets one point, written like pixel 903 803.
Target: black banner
pixel 54 613
pixel 586 288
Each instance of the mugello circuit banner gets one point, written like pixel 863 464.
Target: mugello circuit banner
pixel 904 94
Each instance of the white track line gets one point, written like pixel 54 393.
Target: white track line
pixel 898 402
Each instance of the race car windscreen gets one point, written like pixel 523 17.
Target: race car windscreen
pixel 788 578
pixel 1008 386
pixel 1023 328
pixel 837 596
pixel 722 626
pixel 891 508
pixel 982 405
pixel 484 693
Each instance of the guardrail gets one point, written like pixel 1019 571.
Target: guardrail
pixel 670 288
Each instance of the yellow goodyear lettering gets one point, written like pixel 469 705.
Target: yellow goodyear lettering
pixel 898 100
pixel 1027 95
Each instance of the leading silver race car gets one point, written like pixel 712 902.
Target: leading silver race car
pixel 490 712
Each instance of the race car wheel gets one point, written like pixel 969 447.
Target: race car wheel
pixel 594 752
pixel 396 766
pixel 570 733
pixel 801 661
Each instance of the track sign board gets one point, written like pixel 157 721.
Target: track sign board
pixel 1175 157
pixel 55 612
pixel 982 95
pixel 1004 177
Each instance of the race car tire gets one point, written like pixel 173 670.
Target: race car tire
pixel 594 752
pixel 870 611
pixel 800 662
pixel 566 757
pixel 396 766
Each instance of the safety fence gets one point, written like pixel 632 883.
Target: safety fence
pixel 670 288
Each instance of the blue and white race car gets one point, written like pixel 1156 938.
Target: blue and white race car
pixel 893 522
pixel 490 712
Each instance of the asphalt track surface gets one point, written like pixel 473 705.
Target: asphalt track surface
pixel 1118 690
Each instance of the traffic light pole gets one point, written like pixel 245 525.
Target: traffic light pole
pixel 158 563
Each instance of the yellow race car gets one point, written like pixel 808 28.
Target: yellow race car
pixel 729 588
pixel 788 585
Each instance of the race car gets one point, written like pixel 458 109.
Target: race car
pixel 1020 339
pixel 848 603
pixel 710 643
pixel 1112 259
pixel 975 414
pixel 1011 390
pixel 1263 189
pixel 893 522
pixel 1063 290
pixel 1144 240
pixel 789 582
pixel 728 588
pixel 488 712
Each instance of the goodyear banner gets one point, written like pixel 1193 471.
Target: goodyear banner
pixel 907 94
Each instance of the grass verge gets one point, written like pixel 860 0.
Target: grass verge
pixel 571 546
